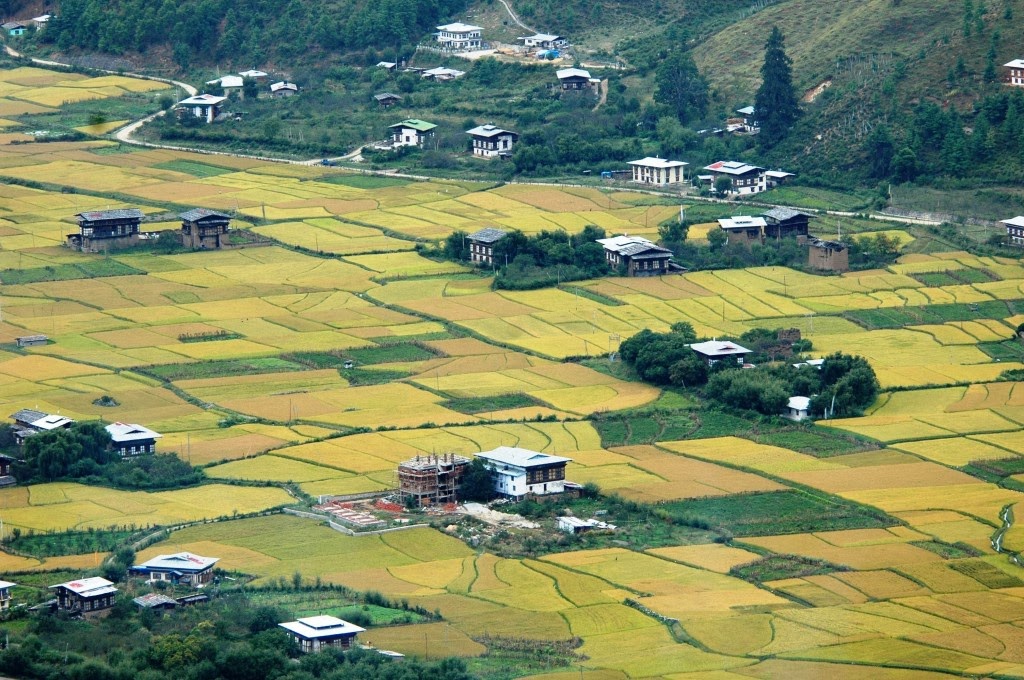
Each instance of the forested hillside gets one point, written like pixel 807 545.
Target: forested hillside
pixel 892 89
pixel 205 31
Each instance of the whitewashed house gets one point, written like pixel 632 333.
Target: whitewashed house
pixel 459 37
pixel 546 41
pixel 204 106
pixel 314 633
pixel 658 171
pixel 1014 229
pixel 521 472
pixel 1015 72
pixel 411 132
pixel 490 141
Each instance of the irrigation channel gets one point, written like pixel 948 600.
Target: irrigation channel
pixel 1006 515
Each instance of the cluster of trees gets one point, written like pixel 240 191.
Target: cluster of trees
pixel 83 452
pixel 241 32
pixel 233 641
pixel 844 385
pixel 865 252
pixel 932 141
pixel 548 258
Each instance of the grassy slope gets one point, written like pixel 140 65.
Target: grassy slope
pixel 820 33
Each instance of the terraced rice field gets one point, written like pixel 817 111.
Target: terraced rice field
pixel 916 596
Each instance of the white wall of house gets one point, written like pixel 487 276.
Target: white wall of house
pixel 490 148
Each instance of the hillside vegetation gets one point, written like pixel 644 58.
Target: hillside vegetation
pixel 204 31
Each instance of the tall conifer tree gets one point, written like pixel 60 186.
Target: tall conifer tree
pixel 776 105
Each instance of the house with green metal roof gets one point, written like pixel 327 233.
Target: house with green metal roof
pixel 411 132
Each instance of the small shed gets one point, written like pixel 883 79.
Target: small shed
pixel 386 100
pixel 798 408
pixel 32 340
pixel 155 601
pixel 575 525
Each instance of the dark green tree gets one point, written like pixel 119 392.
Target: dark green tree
pixel 776 104
pixel 477 482
pixel 681 87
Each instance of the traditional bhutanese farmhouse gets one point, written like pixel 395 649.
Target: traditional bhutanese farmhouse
pixel 386 100
pixel 714 351
pixel 320 632
pixel 481 244
pixel 746 179
pixel 785 222
pixel 639 256
pixel 1015 229
pixel 546 41
pixel 131 439
pixel 521 472
pixel 204 228
pixel 101 229
pixel 5 595
pixel 283 88
pixel 774 178
pixel 827 255
pixel 204 106
pixel 574 78
pixel 14 28
pixel 743 229
pixel 183 567
pixel 459 37
pixel 659 171
pixel 411 132
pixel 85 596
pixel 797 408
pixel 41 21
pixel 490 141
pixel 28 422
pixel 431 480
pixel 1015 72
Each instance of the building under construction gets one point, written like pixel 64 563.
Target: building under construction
pixel 430 480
